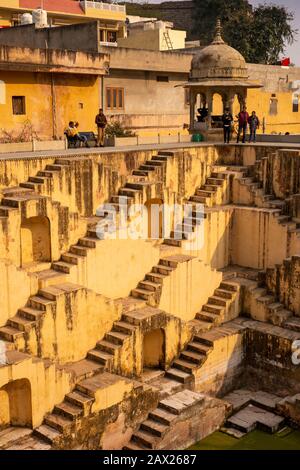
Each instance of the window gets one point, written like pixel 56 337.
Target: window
pixel 273 105
pixel 18 104
pixel 162 78
pixel 111 36
pixel 295 103
pixel 115 98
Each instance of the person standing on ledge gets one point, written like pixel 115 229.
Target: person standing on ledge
pixel 227 122
pixel 101 123
pixel 243 118
pixel 254 125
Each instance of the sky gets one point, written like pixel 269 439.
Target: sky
pixel 293 5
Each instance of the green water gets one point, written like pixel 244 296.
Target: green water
pixel 256 440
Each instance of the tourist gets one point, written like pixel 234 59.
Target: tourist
pixel 243 118
pixel 202 114
pixel 80 136
pixel 254 125
pixel 101 123
pixel 227 123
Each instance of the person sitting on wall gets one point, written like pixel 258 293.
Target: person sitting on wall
pixel 101 123
pixel 254 125
pixel 227 123
pixel 202 114
pixel 71 132
pixel 80 136
pixel 73 135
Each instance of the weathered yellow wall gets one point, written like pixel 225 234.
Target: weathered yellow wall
pixel 221 366
pixel 258 240
pixel 69 90
pixel 187 288
pixel 48 384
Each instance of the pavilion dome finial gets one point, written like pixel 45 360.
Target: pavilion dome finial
pixel 218 33
pixel 218 60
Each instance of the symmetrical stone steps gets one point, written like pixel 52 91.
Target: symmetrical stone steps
pixel 196 351
pixel 159 421
pixel 209 194
pixel 77 405
pixel 18 328
pixel 278 313
pixel 111 344
pixel 128 195
pixel 269 201
pixel 19 197
pixel 150 288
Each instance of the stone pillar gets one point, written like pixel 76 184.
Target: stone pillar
pixel 209 97
pixel 231 101
pixel 225 101
pixel 203 100
pixel 242 99
pixel 193 96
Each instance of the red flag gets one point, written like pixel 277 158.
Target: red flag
pixel 286 61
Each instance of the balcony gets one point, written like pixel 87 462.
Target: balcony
pixel 113 7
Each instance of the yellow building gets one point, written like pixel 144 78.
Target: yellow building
pixel 140 88
pixel 153 35
pixel 111 16
pixel 46 90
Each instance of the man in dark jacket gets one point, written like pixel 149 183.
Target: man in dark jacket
pixel 254 125
pixel 243 118
pixel 227 122
pixel 101 123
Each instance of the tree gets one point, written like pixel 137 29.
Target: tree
pixel 259 34
pixel 271 31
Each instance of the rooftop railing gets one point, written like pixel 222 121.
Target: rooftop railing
pixel 102 6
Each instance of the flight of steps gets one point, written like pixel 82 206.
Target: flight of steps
pixel 159 421
pixel 44 177
pixel 196 351
pixel 77 404
pixel 129 194
pixel 65 419
pixel 18 328
pixel 269 201
pixel 213 192
pixel 276 313
pixel 110 346
pixel 15 198
pixel 150 288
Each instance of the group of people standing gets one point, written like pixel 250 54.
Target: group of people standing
pixel 244 120
pixel 73 134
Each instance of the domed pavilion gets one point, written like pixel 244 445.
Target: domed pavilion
pixel 216 69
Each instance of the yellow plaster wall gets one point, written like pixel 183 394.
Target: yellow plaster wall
pixel 48 385
pixel 70 91
pixel 221 366
pixel 258 240
pixel 14 280
pixel 187 288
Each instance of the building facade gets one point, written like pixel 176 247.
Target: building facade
pixel 141 88
pixel 111 17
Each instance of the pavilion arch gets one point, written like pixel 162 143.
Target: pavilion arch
pixel 35 240
pixel 16 404
pixel 154 349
